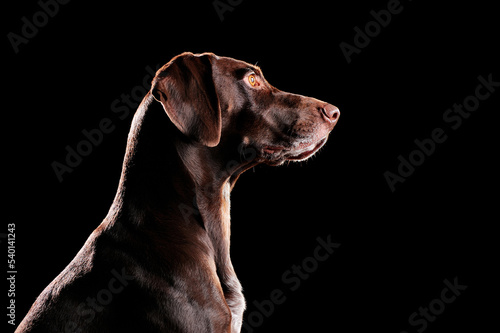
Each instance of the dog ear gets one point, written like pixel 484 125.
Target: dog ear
pixel 185 88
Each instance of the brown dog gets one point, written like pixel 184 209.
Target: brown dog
pixel 159 262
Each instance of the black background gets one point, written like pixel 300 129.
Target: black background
pixel 397 247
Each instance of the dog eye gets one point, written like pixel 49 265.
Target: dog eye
pixel 252 80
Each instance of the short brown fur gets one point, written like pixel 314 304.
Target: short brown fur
pixel 159 262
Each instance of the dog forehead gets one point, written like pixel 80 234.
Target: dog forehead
pixel 229 65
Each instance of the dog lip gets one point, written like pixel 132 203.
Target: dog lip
pixel 305 150
pixel 273 149
pixel 308 152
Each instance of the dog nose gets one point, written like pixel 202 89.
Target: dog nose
pixel 331 112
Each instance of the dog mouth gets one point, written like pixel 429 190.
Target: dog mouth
pixel 300 152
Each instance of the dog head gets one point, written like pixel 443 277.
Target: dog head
pixel 213 100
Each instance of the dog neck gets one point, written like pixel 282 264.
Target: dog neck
pixel 167 180
pixel 213 182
